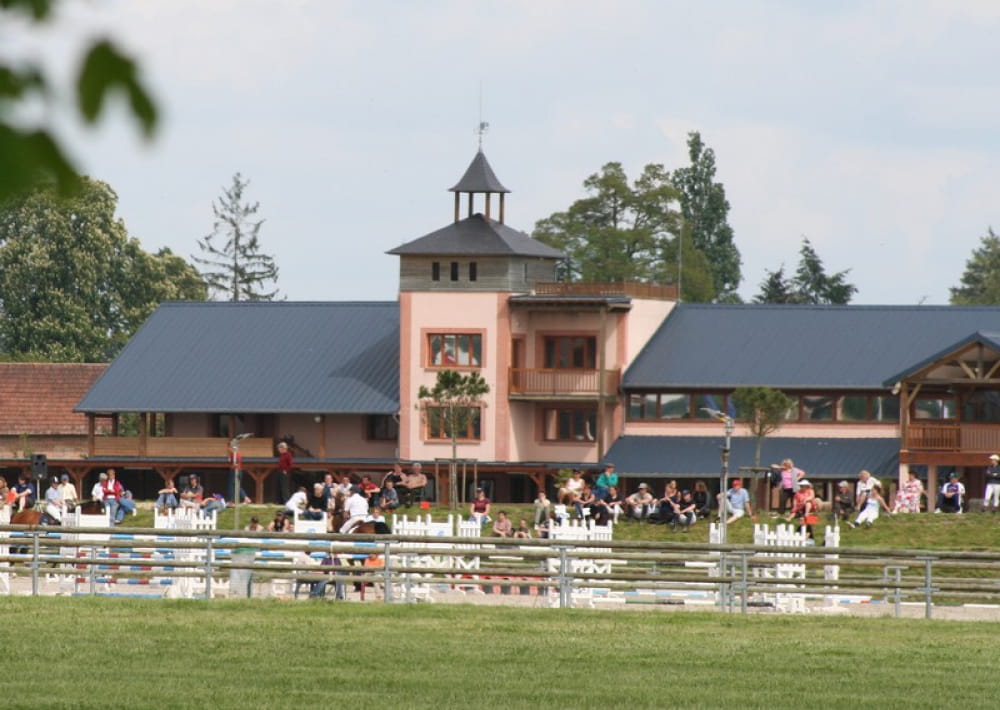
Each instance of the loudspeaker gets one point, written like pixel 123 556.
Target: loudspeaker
pixel 39 466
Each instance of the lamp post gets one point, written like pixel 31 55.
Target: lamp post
pixel 727 422
pixel 237 464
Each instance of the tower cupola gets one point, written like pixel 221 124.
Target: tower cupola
pixel 479 178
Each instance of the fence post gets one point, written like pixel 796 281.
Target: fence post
pixel 408 579
pixel 93 571
pixel 895 571
pixel 35 551
pixel 744 554
pixel 565 582
pixel 208 567
pixel 387 574
pixel 723 587
pixel 927 589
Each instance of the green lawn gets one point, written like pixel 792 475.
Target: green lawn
pixel 126 653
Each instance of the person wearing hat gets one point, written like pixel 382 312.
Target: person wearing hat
pixel 952 495
pixel 54 506
pixel 909 494
pixel 843 502
pixel 737 502
pixel 640 503
pixel 991 499
pixel 68 492
pixel 805 507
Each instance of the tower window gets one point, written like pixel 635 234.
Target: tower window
pixel 473 271
pixel 436 271
pixel 454 271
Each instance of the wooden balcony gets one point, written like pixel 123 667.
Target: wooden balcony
pixel 178 447
pixel 632 289
pixel 527 383
pixel 965 438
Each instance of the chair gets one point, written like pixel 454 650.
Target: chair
pixel 318 587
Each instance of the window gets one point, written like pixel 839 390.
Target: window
pixel 473 271
pixel 818 409
pixel 675 406
pixel 982 406
pixel 454 271
pixel 467 423
pixel 934 408
pixel 436 271
pixel 704 400
pixel 577 352
pixel 570 424
pixel 885 408
pixel 454 349
pixel 382 427
pixel 853 408
pixel 642 406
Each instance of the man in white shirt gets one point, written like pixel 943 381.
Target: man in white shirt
pixel 97 492
pixel 297 503
pixel 866 482
pixel 355 510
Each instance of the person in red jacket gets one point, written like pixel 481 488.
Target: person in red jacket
pixel 111 489
pixel 285 463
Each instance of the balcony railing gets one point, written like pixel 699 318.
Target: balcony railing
pixel 631 289
pixel 563 383
pixel 953 437
pixel 179 447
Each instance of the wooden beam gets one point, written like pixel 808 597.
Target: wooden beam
pixel 259 475
pixel 91 427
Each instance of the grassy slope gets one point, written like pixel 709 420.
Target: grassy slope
pixel 97 653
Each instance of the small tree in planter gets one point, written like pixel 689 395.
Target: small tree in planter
pixel 449 408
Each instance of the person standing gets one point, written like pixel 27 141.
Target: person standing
pixel 285 464
pixel 991 499
pixel 68 492
pixel 788 480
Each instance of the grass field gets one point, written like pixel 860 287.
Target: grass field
pixel 124 653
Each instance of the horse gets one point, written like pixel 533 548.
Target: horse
pixel 33 517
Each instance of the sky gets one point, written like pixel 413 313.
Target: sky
pixel 868 127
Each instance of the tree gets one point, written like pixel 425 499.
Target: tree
pixel 73 285
pixel 452 405
pixel 980 284
pixel 31 153
pixel 705 208
pixel 764 410
pixel 810 285
pixel 237 269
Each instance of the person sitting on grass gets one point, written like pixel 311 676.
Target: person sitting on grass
pixel 686 512
pixel 843 502
pixel 192 494
pixel 640 504
pixel 389 499
pixel 702 499
pixel 668 506
pixel 296 503
pixel 542 507
pixel 479 510
pixel 523 531
pixel 737 502
pixel 805 507
pixel 502 527
pixel 951 496
pixel 572 488
pixel 281 523
pixel 869 514
pixel 166 497
pixel 315 503
pixel 584 505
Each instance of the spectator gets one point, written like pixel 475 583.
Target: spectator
pixel 389 499
pixel 640 504
pixel 97 492
pixel 193 493
pixel 281 523
pixel 572 488
pixel 502 527
pixel 607 479
pixel 952 495
pixel 805 507
pixel 24 493
pixel 329 491
pixel 737 503
pixel 869 514
pixel 112 490
pixel 296 502
pixel 315 503
pixel 545 527
pixel 866 482
pixel 369 488
pixel 6 494
pixel 355 510
pixel 166 497
pixel 702 499
pixel 669 504
pixel 843 502
pixel 214 503
pixel 610 508
pixel 126 506
pixel 584 505
pixel 54 506
pixel 542 507
pixel 285 464
pixel 479 510
pixel 344 489
pixel 412 485
pixel 523 531
pixel 254 525
pixel 909 494
pixel 395 475
pixel 686 512
pixel 991 498
pixel 68 492
pixel 788 482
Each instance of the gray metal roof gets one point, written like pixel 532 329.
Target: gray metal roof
pixel 835 347
pixel 479 177
pixel 476 236
pixel 687 456
pixel 990 340
pixel 323 358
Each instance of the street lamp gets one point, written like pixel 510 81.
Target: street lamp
pixel 727 422
pixel 237 464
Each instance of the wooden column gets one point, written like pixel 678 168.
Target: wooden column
pixel 91 426
pixel 932 487
pixel 322 436
pixel 487 205
pixel 143 433
pixel 470 205
pixel 601 414
pixel 457 205
pixel 501 207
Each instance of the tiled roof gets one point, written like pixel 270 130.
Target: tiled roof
pixel 268 357
pixel 835 347
pixel 476 236
pixel 38 398
pixel 479 177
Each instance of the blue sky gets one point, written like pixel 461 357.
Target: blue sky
pixel 870 128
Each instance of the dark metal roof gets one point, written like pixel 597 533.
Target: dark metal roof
pixel 322 358
pixel 990 340
pixel 617 301
pixel 477 236
pixel 479 177
pixel 836 347
pixel 663 456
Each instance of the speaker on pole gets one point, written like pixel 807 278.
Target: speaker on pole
pixel 39 466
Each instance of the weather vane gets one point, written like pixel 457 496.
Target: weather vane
pixel 483 125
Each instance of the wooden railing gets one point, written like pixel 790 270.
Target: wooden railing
pixel 632 289
pixel 953 437
pixel 553 382
pixel 179 447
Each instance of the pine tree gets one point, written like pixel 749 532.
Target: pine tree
pixel 237 269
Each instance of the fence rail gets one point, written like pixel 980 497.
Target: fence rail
pixel 562 573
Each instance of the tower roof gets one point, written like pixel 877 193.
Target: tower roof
pixel 479 177
pixel 479 236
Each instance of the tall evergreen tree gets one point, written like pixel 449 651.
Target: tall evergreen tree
pixel 237 269
pixel 705 208
pixel 810 284
pixel 980 284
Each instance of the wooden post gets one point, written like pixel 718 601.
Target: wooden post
pixel 601 414
pixel 501 207
pixel 322 436
pixel 143 433
pixel 487 205
pixel 91 426
pixel 457 205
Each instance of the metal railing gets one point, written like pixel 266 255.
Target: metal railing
pixel 558 573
